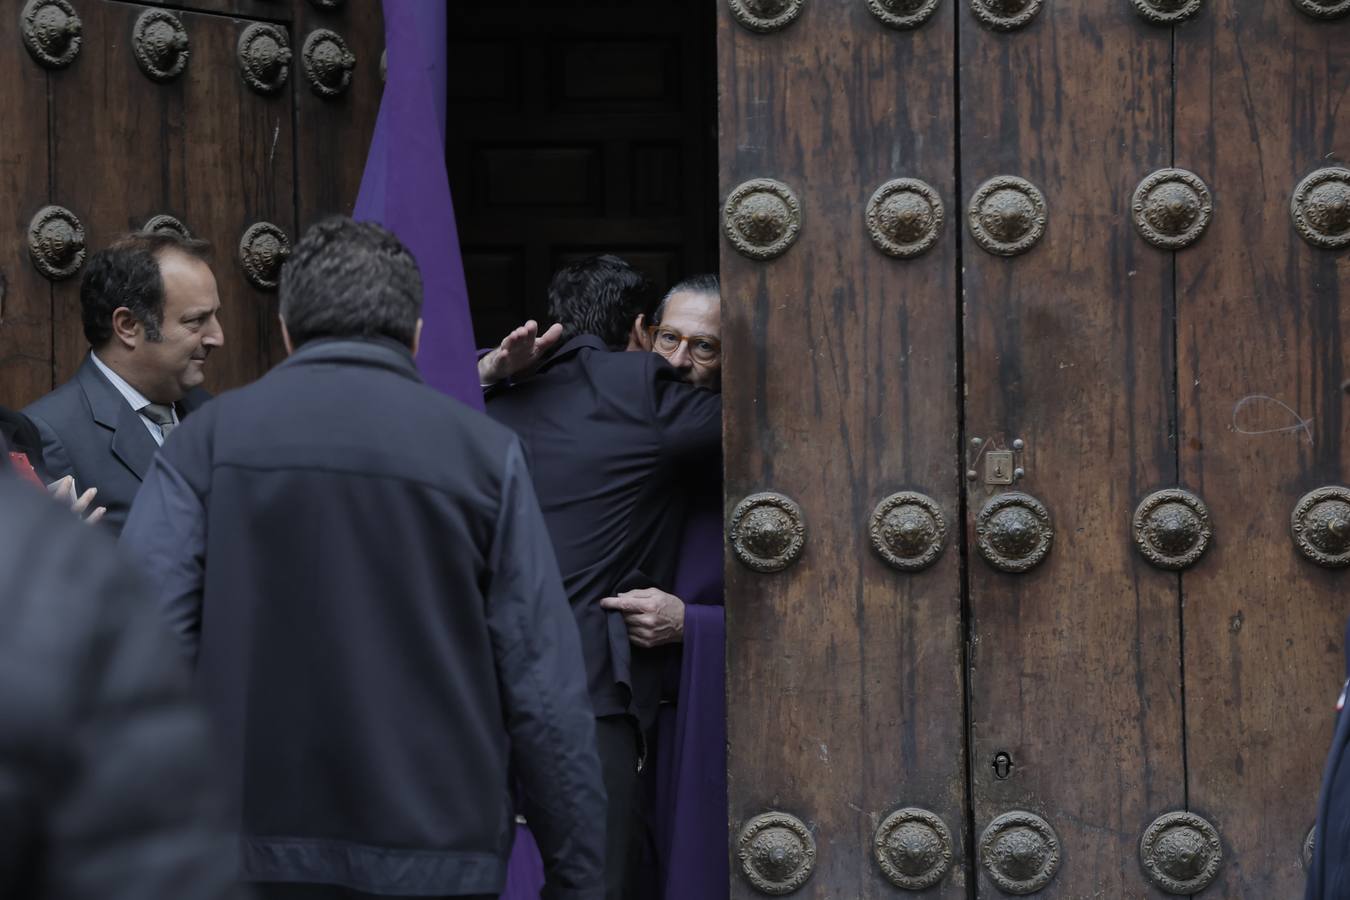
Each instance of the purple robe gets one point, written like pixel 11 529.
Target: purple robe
pixel 689 819
pixel 690 815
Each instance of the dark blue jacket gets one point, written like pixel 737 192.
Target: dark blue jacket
pixel 1329 876
pixel 617 443
pixel 360 568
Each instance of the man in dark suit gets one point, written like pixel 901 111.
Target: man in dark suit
pixel 614 440
pixel 150 307
pixel 358 565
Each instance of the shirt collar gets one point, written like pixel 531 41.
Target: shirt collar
pixel 135 398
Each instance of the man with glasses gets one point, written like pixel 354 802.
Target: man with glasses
pixel 688 330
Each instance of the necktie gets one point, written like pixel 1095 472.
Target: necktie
pixel 162 415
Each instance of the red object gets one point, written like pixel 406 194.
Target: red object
pixel 25 469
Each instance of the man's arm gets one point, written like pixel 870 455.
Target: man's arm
pixel 165 534
pixel 689 418
pixel 543 686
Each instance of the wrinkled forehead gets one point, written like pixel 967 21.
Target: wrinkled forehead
pixel 691 312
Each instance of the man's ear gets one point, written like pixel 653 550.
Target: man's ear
pixel 127 329
pixel 417 338
pixel 286 337
pixel 638 338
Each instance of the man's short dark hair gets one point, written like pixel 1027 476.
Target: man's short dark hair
pixel 126 273
pixel 694 284
pixel 350 279
pixel 600 296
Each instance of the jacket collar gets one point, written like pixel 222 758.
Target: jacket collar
pixel 574 346
pixel 378 352
pixel 131 442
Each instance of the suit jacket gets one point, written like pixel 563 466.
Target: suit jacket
pixel 614 441
pixel 90 431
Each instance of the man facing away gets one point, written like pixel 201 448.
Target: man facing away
pixel 359 567
pixel 613 440
pixel 150 310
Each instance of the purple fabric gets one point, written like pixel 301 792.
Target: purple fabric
pixel 525 871
pixel 689 819
pixel 405 188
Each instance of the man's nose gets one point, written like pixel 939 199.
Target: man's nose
pixel 681 359
pixel 215 335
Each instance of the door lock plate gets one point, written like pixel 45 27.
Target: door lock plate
pixel 998 467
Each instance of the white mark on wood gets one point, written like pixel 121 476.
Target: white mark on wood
pixel 1265 400
pixel 276 134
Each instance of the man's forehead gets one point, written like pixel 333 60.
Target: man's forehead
pixel 189 283
pixel 693 304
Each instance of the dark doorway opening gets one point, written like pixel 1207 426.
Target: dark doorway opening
pixel 578 127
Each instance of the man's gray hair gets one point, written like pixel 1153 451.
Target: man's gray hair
pixel 695 284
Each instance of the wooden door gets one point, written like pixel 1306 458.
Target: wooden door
pixel 1075 652
pixel 1140 281
pixel 1263 345
pixel 116 135
pixel 847 738
pixel 25 296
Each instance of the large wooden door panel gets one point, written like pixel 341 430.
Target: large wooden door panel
pixel 25 296
pixel 201 147
pixel 1262 327
pixel 844 675
pixel 1074 664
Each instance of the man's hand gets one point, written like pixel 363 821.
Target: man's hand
pixel 63 491
pixel 518 351
pixel 653 617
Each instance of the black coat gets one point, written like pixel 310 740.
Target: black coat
pixel 1329 877
pixel 615 442
pixel 90 431
pixel 107 783
pixel 358 563
pixel 18 434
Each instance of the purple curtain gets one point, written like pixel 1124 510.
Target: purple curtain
pixel 405 188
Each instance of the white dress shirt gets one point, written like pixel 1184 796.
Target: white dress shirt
pixel 134 397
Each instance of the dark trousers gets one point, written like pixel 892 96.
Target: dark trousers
pixel 274 891
pixel 616 740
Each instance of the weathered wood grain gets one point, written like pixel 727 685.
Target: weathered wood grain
pixel 845 688
pixel 1261 93
pixel 1074 666
pixel 25 296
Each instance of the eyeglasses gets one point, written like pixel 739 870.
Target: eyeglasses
pixel 704 348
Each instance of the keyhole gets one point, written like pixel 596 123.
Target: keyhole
pixel 1002 765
